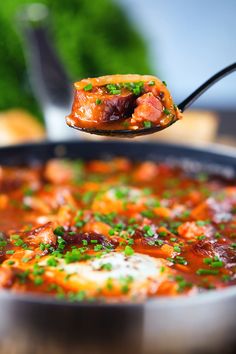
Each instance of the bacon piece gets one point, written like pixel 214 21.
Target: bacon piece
pixel 149 108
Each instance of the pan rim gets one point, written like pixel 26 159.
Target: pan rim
pixel 160 302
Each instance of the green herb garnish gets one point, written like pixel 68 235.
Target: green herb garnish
pixel 177 249
pixel 52 262
pixel 107 266
pixel 128 251
pixel 207 272
pixel 10 252
pixel 98 101
pixel 38 281
pixel 166 111
pixel 59 231
pixel 88 87
pixel 147 124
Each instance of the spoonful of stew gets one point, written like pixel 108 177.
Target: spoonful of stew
pixel 129 105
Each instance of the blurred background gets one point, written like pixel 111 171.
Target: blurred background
pixel 45 46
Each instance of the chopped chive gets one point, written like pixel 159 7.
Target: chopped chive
pixel 147 124
pixel 202 237
pixel 94 241
pixel 185 214
pixel 166 111
pixel 97 248
pixel 10 252
pixel 125 124
pixel 52 262
pixel 148 214
pixel 217 235
pixel 59 231
pixel 207 272
pixel 88 87
pixel 129 251
pixel 159 242
pixel 207 260
pixel 226 277
pixel 222 226
pixel 217 264
pixel 11 262
pixel 38 281
pixel 107 266
pixel 98 101
pixel 3 243
pixel 202 222
pixel 19 242
pixel 177 249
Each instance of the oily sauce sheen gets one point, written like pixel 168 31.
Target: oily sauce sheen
pixel 115 230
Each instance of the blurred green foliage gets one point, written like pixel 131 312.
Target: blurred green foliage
pixel 92 38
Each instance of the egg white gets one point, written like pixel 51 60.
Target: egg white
pixel 144 273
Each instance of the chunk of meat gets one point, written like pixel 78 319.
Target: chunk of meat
pixel 9 180
pixel 101 107
pixel 149 108
pixel 43 234
pixel 59 171
pixel 212 248
pixel 97 227
pixel 146 171
pixel 192 230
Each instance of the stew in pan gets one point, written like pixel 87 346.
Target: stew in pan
pixel 115 230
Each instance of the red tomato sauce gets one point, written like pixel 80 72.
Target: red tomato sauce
pixel 115 230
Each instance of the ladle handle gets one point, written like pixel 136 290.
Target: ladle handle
pixel 204 87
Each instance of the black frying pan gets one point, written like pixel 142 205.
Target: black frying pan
pixel 201 324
